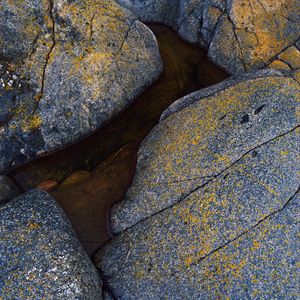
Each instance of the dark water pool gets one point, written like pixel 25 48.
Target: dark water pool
pixel 110 153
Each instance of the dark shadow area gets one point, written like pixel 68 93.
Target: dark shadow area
pixel 110 153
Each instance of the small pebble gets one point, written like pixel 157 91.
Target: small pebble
pixel 48 185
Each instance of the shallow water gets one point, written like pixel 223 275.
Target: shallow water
pixel 110 153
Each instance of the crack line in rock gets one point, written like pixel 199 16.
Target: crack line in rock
pixel 39 97
pixel 209 181
pixel 125 37
pixel 92 27
pixel 248 230
pixel 279 53
pixel 234 28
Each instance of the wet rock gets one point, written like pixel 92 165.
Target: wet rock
pixel 8 189
pixel 47 185
pixel 239 34
pixel 75 177
pixel 66 69
pixel 40 255
pixel 201 135
pixel 87 202
pixel 212 211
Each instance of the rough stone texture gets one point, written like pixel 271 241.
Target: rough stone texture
pixel 8 189
pixel 239 34
pixel 209 258
pixel 40 258
pixel 66 68
pixel 213 210
pixel 210 130
pixel 288 59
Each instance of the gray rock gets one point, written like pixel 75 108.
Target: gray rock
pixel 235 237
pixel 238 34
pixel 8 189
pixel 66 69
pixel 202 135
pixel 40 257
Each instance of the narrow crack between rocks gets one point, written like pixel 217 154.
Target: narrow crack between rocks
pixel 282 51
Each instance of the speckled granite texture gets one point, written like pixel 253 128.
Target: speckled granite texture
pixel 40 257
pixel 240 35
pixel 66 68
pixel 203 134
pixel 213 210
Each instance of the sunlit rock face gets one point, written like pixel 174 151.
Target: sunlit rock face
pixel 238 34
pixel 66 69
pixel 213 206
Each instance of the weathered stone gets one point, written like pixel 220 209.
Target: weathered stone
pixel 193 252
pixel 234 237
pixel 40 257
pixel 8 189
pixel 291 56
pixel 66 69
pixel 239 34
pixel 201 135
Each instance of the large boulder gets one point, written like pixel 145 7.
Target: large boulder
pixel 211 212
pixel 67 67
pixel 201 135
pixel 238 34
pixel 40 257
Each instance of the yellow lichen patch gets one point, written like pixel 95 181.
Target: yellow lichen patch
pixel 259 36
pixel 292 56
pixel 278 64
pixel 284 152
pixel 297 78
pixel 32 123
pixel 199 124
pixel 33 225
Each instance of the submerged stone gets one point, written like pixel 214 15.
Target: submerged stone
pixel 40 257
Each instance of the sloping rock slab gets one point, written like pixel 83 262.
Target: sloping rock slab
pixel 235 237
pixel 66 68
pixel 40 257
pixel 202 135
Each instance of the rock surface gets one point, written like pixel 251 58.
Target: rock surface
pixel 66 69
pixel 40 258
pixel 203 134
pixel 8 189
pixel 212 211
pixel 238 34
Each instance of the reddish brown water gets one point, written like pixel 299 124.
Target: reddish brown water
pixel 110 153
